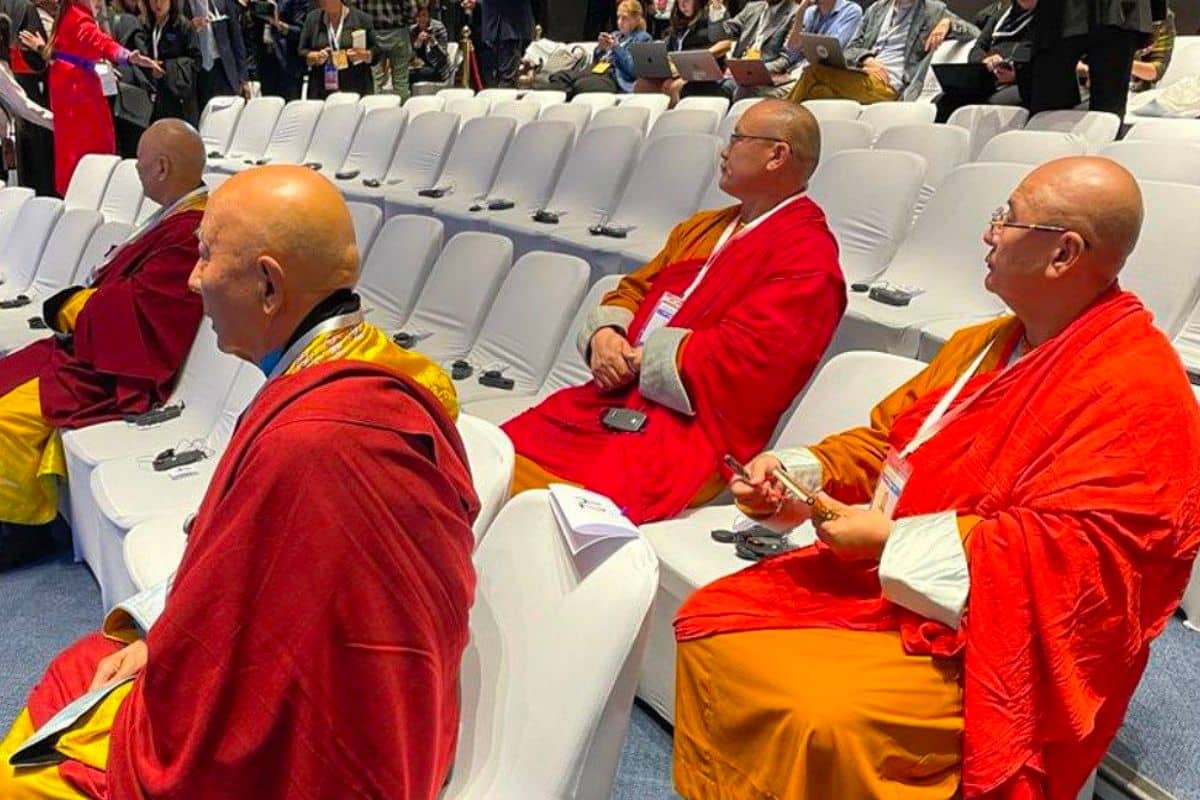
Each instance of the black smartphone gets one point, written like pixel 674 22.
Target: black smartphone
pixel 625 420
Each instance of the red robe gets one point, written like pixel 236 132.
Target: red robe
pixel 311 642
pixel 760 321
pixel 83 122
pixel 130 339
pixel 1082 463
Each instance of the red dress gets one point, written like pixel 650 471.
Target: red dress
pixel 82 120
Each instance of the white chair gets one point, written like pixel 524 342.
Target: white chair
pixel 985 121
pixel 833 109
pixel 373 146
pixel 882 116
pixel 1177 161
pixel 333 135
pixel 21 252
pixel 944 147
pixel 844 134
pixel 291 136
pixel 715 197
pixel 520 344
pixel 152 550
pixel 458 293
pixel 840 396
pixel 578 115
pixel 1098 128
pixel 11 200
pixel 525 178
pixel 366 218
pixel 123 196
pixel 655 104
pixel 467 108
pixel 218 121
pixel 418 158
pixel 252 134
pixel 868 217
pixel 106 238
pixel 517 110
pixel 147 209
pixel 61 255
pixel 541 628
pixel 396 268
pixel 717 105
pixel 634 117
pixel 341 98
pixel 1032 147
pixel 591 182
pixel 446 95
pixel 498 95
pixel 686 120
pixel 595 100
pixel 568 368
pixel 664 189
pixel 943 258
pixel 89 180
pixel 375 102
pixel 416 106
pixel 1163 130
pixel 491 458
pixel 544 98
pixel 469 170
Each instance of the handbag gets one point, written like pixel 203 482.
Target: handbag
pixel 133 104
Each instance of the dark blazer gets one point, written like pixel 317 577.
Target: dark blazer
pixel 315 36
pixel 746 25
pixel 505 20
pixel 24 17
pixel 434 53
pixel 694 37
pixel 285 47
pixel 1008 46
pixel 179 54
pixel 1059 18
pixel 230 44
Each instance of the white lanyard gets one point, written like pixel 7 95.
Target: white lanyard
pixel 938 418
pixel 335 35
pixel 155 35
pixel 728 237
pixel 896 24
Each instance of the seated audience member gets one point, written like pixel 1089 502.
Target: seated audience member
pixel 1005 40
pixel 120 345
pixel 891 47
pixel 710 341
pixel 338 44
pixel 979 630
pixel 688 28
pixel 612 65
pixel 758 31
pixel 1151 62
pixel 310 641
pixel 171 41
pixel 431 58
pixel 837 18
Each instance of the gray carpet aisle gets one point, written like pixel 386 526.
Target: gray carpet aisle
pixel 47 606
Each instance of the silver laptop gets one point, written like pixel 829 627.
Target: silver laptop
pixel 824 50
pixel 697 65
pixel 650 60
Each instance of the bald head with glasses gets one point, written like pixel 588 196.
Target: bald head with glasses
pixel 771 154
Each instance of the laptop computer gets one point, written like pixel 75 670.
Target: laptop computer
pixel 697 65
pixel 650 60
pixel 749 72
pixel 965 78
pixel 824 50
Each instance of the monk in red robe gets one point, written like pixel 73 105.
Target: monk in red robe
pixel 310 642
pixel 708 344
pixel 979 629
pixel 121 340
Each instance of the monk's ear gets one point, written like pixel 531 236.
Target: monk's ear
pixel 270 283
pixel 1066 255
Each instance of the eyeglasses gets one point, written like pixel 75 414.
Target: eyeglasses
pixel 736 137
pixel 1000 220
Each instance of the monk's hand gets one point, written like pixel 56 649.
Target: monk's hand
pixel 854 533
pixel 126 662
pixel 610 365
pixel 761 496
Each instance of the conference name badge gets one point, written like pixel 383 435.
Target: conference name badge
pixel 892 478
pixel 108 79
pixel 340 59
pixel 331 77
pixel 664 312
pixel 601 68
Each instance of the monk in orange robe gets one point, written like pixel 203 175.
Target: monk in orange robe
pixel 711 341
pixel 978 630
pixel 309 644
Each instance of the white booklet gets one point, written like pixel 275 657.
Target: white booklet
pixel 38 749
pixel 587 517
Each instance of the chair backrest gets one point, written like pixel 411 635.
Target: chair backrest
pixel 459 291
pixel 498 95
pixel 416 106
pixel 985 121
pixel 106 237
pixel 207 375
pixel 246 381
pixel 595 100
pixel 374 143
pixel 22 251
pixel 341 98
pixel 668 182
pixel 684 120
pixel 549 674
pixel 89 180
pixel 718 105
pixel 569 368
pixel 214 179
pixel 943 147
pixel 524 343
pixel 1098 128
pixel 517 110
pixel 842 394
pixel 491 458
pixel 595 174
pixel 578 115
pixel 254 128
pixel 844 134
pixel 147 209
pixel 123 196
pixel 64 248
pixel 1175 161
pixel 833 109
pixel 633 117
pixel 869 218
pixel 1164 267
pixel 714 196
pixel 454 93
pixel 544 98
pixel 655 104
pixel 11 200
pixel 396 268
pixel 882 116
pixel 333 135
pixel 533 163
pixel 422 150
pixel 473 160
pixel 1159 130
pixel 367 218
pixel 1032 147
pixel 467 108
pixel 218 122
pixel 293 131
pixel 375 102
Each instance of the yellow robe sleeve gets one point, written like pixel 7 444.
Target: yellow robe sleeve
pixel 70 309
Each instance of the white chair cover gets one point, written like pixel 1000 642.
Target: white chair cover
pixel 943 147
pixel 218 122
pixel 544 98
pixel 633 117
pixel 446 95
pixel 844 134
pixel 106 237
pixel 1177 161
pixel 146 210
pixel 367 219
pixel 64 248
pixel 882 116
pixel 375 102
pixel 1162 129
pixel 685 120
pixel 153 549
pixel 1097 127
pixel 253 132
pixel 985 121
pixel 341 98
pixel 333 135
pixel 833 109
pixel 418 158
pixel 396 268
pixel 1032 147
pixel 718 105
pixel 498 95
pixel 123 196
pixel 21 252
pixel 416 106
pixel 89 180
pixel 491 458
pixel 578 115
pixel 468 108
pixel 293 132
pixel 655 104
pixel 373 146
pixel 517 110
pixel 11 200
pixel 595 100
pixel 469 170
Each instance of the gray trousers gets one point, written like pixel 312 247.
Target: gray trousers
pixel 396 51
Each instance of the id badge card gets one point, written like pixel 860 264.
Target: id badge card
pixel 268 34
pixel 664 312
pixel 753 54
pixel 892 478
pixel 339 59
pixel 108 79
pixel 331 77
pixel 601 68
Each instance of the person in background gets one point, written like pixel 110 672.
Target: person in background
pixel 431 58
pixel 505 29
pixel 338 44
pixel 224 70
pixel 758 31
pixel 837 18
pixel 22 111
pixel 35 145
pixel 174 45
pixel 1151 62
pixel 392 20
pixel 277 48
pixel 689 27
pixel 125 23
pixel 612 65
pixel 1004 42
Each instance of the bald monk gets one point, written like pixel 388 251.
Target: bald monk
pixel 711 340
pixel 311 638
pixel 122 341
pixel 979 630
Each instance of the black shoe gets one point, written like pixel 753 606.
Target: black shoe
pixel 24 544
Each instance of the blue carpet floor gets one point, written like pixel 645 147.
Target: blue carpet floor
pixel 48 605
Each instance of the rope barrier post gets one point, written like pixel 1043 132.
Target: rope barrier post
pixel 468 54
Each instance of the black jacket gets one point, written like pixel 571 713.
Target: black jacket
pixel 179 54
pixel 315 36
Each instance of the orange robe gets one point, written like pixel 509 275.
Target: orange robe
pixel 1075 475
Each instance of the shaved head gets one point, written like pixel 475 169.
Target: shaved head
pixel 170 160
pixel 794 124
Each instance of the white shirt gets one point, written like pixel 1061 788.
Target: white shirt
pixel 17 103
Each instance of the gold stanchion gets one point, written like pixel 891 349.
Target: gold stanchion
pixel 467 50
pixel 537 32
